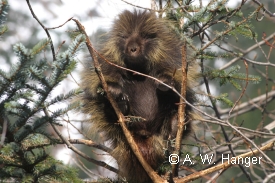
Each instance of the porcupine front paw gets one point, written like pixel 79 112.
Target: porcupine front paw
pixel 121 98
pixel 123 103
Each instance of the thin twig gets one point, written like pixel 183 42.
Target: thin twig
pixel 264 9
pixel 91 144
pixel 248 50
pixel 73 148
pixel 60 25
pixel 254 132
pixel 47 32
pixel 243 91
pixel 250 105
pixel 223 166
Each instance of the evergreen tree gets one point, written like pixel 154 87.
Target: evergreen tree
pixel 237 113
pixel 24 94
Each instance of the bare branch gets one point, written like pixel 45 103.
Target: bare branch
pixel 224 165
pixel 42 25
pixel 264 9
pixel 70 146
pixel 248 50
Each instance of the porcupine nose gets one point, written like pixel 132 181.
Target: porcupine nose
pixel 134 49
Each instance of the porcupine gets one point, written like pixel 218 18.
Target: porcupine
pixel 144 43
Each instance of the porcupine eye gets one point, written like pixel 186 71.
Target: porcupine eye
pixel 150 36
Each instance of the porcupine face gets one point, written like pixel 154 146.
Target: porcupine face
pixel 137 39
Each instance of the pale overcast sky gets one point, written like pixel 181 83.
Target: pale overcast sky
pixel 108 10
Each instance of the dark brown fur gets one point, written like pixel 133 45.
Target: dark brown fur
pixel 144 43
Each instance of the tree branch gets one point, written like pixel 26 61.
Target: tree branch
pixel 223 166
pixel 70 146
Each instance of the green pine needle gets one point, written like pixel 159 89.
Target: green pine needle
pixel 231 76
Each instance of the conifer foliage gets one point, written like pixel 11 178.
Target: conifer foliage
pixel 24 100
pixel 241 77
